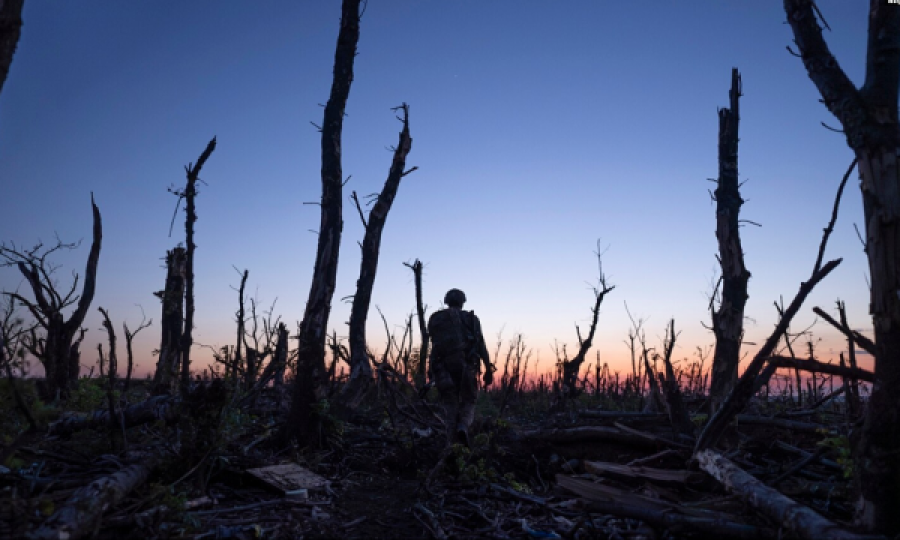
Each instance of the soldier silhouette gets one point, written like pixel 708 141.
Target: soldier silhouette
pixel 457 349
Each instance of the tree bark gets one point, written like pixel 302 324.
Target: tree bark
pixel 310 372
pixel 869 118
pixel 172 322
pixel 190 194
pixel 728 321
pixel 10 30
pixel 360 369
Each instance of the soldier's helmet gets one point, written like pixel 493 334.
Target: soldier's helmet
pixel 455 298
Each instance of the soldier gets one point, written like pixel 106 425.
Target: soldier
pixel 457 346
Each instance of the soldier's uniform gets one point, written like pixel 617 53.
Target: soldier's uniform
pixel 455 362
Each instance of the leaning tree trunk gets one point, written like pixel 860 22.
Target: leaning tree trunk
pixel 10 30
pixel 360 369
pixel 314 326
pixel 172 323
pixel 728 321
pixel 870 121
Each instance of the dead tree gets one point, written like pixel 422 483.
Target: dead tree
pixel 57 349
pixel 869 118
pixel 241 335
pixel 190 194
pixel 728 320
pixel 129 337
pixel 746 386
pixel 360 370
pixel 10 30
pixel 571 367
pixel 678 413
pixel 420 377
pixel 172 322
pixel 314 326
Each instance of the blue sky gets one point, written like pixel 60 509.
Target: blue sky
pixel 538 127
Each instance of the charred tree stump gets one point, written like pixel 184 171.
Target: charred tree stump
pixel 360 369
pixel 678 414
pixel 309 376
pixel 172 322
pixel 869 118
pixel 728 321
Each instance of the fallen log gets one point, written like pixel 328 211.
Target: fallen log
pixel 80 514
pixel 799 519
pixel 151 410
pixel 592 434
pixel 644 473
pixel 609 500
pixel 615 415
pixel 795 425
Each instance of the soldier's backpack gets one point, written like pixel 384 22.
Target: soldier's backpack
pixel 450 332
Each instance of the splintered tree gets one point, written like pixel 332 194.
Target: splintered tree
pixel 728 320
pixel 869 117
pixel 314 326
pixel 10 30
pixel 360 370
pixel 172 322
pixel 57 349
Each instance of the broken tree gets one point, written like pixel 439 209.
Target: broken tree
pixel 57 349
pixel 314 326
pixel 728 320
pixel 172 322
pixel 869 117
pixel 10 30
pixel 360 369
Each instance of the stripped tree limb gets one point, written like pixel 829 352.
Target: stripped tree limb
pixel 80 514
pixel 10 30
pixel 864 343
pixel 814 366
pixel 799 519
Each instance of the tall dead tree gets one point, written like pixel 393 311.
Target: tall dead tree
pixel 728 320
pixel 869 118
pixel 10 30
pixel 360 369
pixel 172 322
pixel 314 326
pixel 57 349
pixel 190 194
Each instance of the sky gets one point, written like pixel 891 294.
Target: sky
pixel 539 128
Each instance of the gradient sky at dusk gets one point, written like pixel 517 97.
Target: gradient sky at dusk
pixel 538 127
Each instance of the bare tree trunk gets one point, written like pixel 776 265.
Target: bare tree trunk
pixel 190 193
pixel 172 322
pixel 241 335
pixel 10 30
pixel 420 377
pixel 870 121
pixel 129 337
pixel 728 321
pixel 360 370
pixel 314 327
